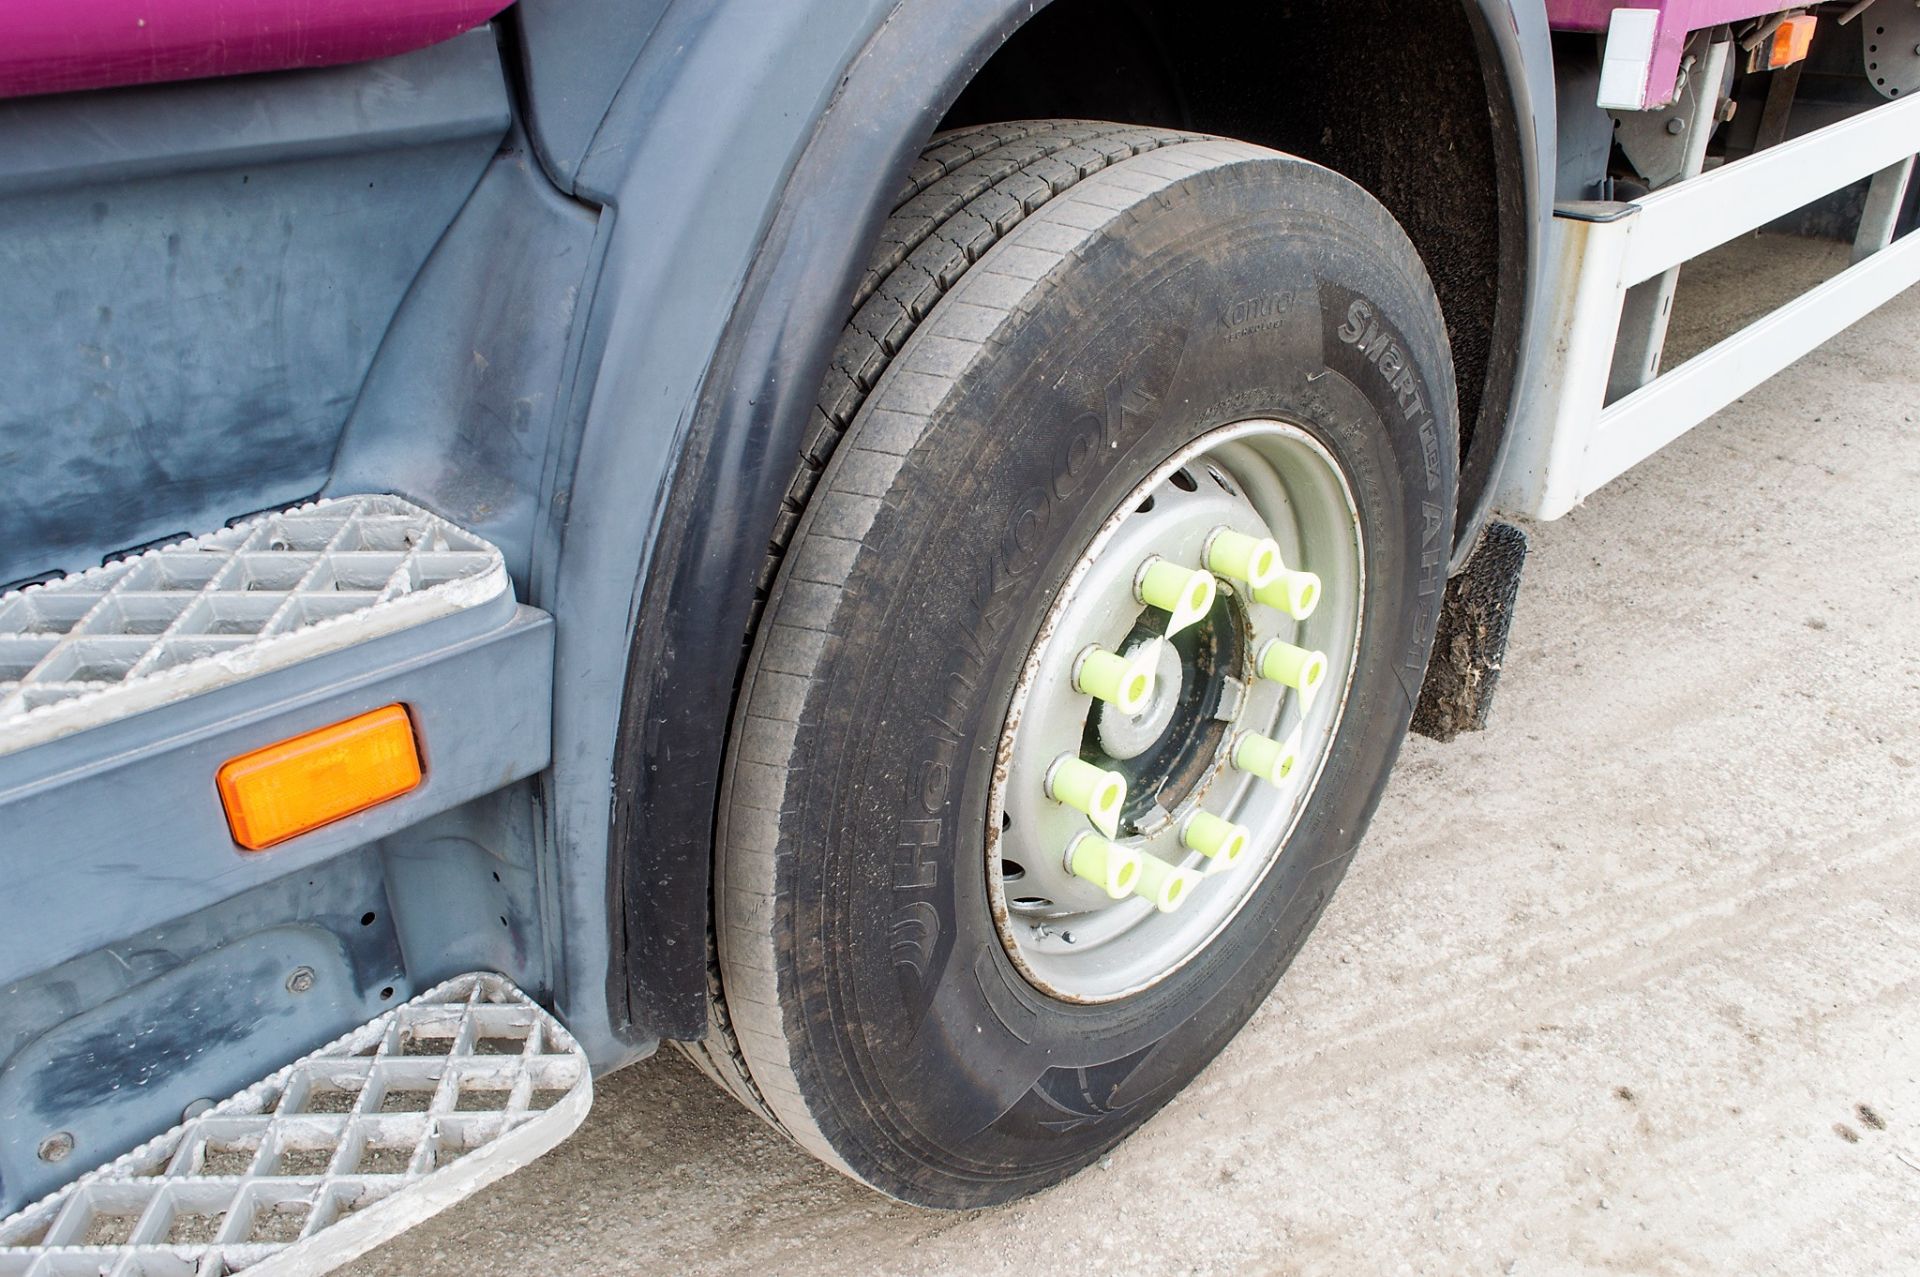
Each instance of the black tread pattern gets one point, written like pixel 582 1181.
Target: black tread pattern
pixel 969 189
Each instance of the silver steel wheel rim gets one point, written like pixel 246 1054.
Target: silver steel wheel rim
pixel 1261 478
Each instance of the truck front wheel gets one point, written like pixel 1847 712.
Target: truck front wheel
pixel 1111 583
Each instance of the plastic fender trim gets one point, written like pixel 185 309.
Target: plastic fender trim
pixel 733 464
pixel 1518 57
pixel 712 535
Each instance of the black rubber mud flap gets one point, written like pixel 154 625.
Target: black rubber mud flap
pixel 1471 646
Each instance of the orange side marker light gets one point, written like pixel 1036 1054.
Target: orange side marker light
pixel 314 779
pixel 1790 42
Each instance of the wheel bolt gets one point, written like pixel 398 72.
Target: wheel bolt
pixel 1269 759
pixel 1241 557
pixel 1296 667
pixel 1125 684
pixel 1293 592
pixel 1171 588
pixel 1167 886
pixel 1086 788
pixel 1222 842
pixel 1107 865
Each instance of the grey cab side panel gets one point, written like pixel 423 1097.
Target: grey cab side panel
pixel 200 284
pixel 146 959
pixel 467 395
pixel 197 276
pixel 746 164
pixel 575 55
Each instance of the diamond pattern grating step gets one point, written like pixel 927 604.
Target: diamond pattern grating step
pixel 215 609
pixel 333 1154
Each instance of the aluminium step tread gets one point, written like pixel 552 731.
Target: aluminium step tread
pixel 212 610
pixel 331 1155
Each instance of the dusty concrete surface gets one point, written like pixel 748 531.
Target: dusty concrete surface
pixel 1629 983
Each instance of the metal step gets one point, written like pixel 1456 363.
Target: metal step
pixel 206 612
pixel 330 1156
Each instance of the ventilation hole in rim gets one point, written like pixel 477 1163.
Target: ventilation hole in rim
pixel 1144 507
pixel 1184 481
pixel 1226 485
pixel 1011 870
pixel 1033 902
pixel 1006 821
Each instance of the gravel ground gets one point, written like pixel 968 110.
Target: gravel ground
pixel 1629 983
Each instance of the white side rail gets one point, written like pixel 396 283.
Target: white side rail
pixel 1568 440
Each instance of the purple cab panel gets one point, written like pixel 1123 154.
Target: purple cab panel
pixel 53 46
pixel 1680 15
pixel 1678 19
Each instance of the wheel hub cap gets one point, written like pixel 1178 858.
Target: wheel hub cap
pixel 1122 735
pixel 1233 577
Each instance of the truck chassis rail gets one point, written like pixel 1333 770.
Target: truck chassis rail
pixel 1568 440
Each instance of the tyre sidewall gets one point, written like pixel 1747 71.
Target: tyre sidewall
pixel 1257 290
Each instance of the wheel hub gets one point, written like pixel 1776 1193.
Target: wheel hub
pixel 1199 655
pixel 1122 735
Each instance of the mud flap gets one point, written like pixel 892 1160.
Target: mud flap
pixel 1472 641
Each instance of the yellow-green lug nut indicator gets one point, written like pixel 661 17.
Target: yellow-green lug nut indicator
pixel 1291 591
pixel 1296 667
pixel 1241 557
pixel 1107 865
pixel 1222 842
pixel 1269 759
pixel 1166 886
pixel 1186 593
pixel 1125 684
pixel 1086 788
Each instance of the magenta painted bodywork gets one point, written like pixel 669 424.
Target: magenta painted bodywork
pixel 1678 19
pixel 52 46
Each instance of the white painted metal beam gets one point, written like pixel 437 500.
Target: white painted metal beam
pixel 1685 220
pixel 1885 198
pixel 1657 414
pixel 1540 474
pixel 1566 442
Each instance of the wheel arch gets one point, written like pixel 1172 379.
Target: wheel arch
pixel 757 398
pixel 1432 128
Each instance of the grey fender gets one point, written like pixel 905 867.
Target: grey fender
pixel 746 162
pixel 1519 60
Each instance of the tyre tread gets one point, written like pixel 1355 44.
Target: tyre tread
pixel 970 188
pixel 968 193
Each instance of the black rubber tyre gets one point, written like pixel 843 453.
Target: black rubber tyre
pixel 1107 295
